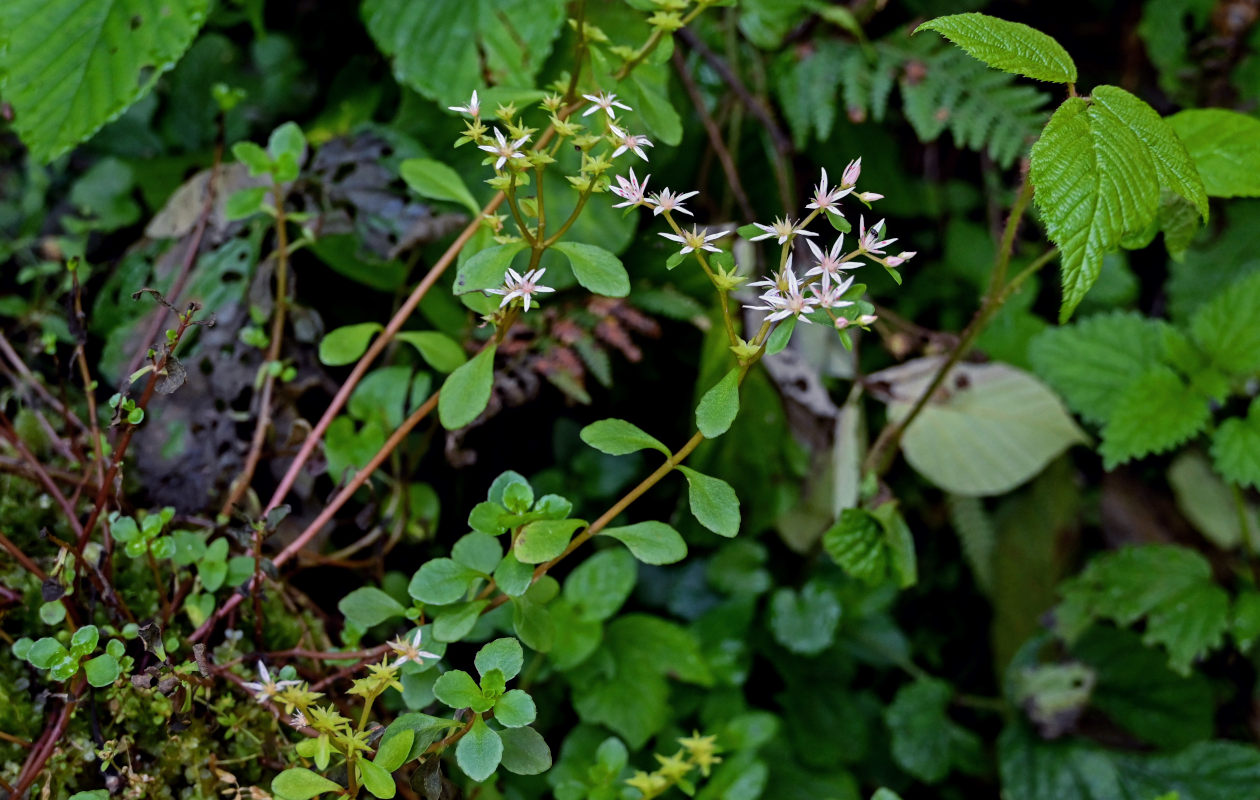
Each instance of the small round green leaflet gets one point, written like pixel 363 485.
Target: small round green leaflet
pixel 376 780
pixel 479 751
pixel 504 655
pixel 466 392
pixel 713 502
pixel 346 344
pixel 525 752
pixel 440 351
pixel 487 268
pixel 719 406
pixel 1008 46
pixel 102 670
pixel 437 181
pixel 515 709
pixel 392 752
pixel 441 581
pixel 596 268
pixel 300 783
pixel 457 689
pixel 545 539
pixel 368 606
pixel 616 437
pixel 651 542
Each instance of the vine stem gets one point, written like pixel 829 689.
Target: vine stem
pixel 360 478
pixel 241 484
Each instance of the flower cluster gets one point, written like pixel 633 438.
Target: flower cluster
pixel 697 752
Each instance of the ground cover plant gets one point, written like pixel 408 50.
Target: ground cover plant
pixel 603 399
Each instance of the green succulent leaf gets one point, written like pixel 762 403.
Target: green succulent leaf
pixel 479 752
pixel 466 392
pixel 299 783
pixel 438 181
pixel 616 437
pixel 719 406
pixel 651 542
pixel 713 502
pixel 596 269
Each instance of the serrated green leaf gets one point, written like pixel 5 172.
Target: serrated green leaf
pixel 467 45
pixel 545 539
pixel 719 406
pixel 713 502
pixel 804 622
pixel 299 783
pixel 466 392
pixel 925 741
pixel 525 752
pixel 1008 46
pixel 1222 144
pixel 596 269
pixel 347 344
pixel 1173 167
pixel 1171 587
pixel 856 543
pixel 1094 183
pixel 651 542
pixel 1155 413
pixel 902 558
pixel 440 352
pixel 368 606
pixel 486 269
pixel 996 428
pixel 437 181
pixel 479 752
pixel 69 66
pixel 1236 448
pixel 1228 329
pixel 1077 769
pixel 616 437
pixel 1092 361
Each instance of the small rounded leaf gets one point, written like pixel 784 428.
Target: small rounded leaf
pixel 515 709
pixel 466 393
pixel 479 752
pixel 346 344
pixel 300 783
pixel 651 542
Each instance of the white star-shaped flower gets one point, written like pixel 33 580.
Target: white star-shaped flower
pixel 503 148
pixel 829 296
pixel 868 239
pixel 825 199
pixel 265 688
pixel 606 101
pixel 522 286
pixel 668 201
pixel 829 263
pixel 473 108
pixel 696 239
pixel 629 141
pixel 631 191
pixel 851 173
pixel 410 650
pixel 783 229
pixel 788 302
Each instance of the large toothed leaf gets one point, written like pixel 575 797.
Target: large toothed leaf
pixel 1222 144
pixel 69 66
pixel 1094 183
pixel 1008 46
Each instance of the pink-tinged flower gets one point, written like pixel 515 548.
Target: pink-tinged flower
pixel 868 197
pixel 869 241
pixel 829 262
pixel 825 199
pixel 900 258
pixel 629 141
pixel 668 201
pixel 831 295
pixel 265 687
pixel 696 239
pixel 410 650
pixel 867 319
pixel 473 108
pixel 782 229
pixel 606 101
pixel 503 148
pixel 522 286
pixel 790 302
pixel 851 173
pixel 631 191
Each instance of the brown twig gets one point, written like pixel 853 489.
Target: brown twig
pixel 10 433
pixel 22 558
pixel 30 379
pixel 715 136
